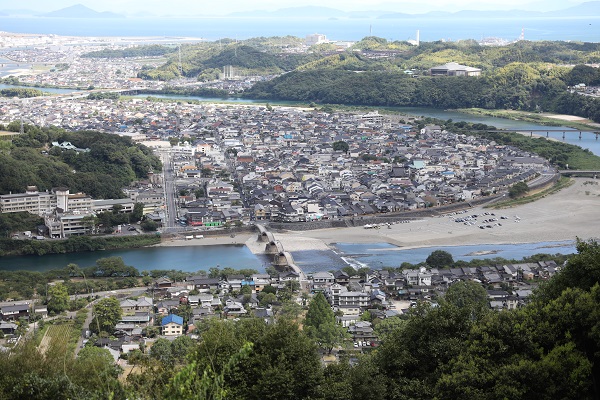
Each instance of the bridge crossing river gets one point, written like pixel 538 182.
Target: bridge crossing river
pixel 280 258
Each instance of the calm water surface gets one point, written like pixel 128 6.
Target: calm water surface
pixel 185 258
pixel 213 28
pixel 201 258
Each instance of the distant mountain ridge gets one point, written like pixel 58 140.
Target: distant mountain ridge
pixel 80 11
pixel 581 10
pixel 590 8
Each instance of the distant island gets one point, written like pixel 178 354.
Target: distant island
pixel 316 12
pixel 584 9
pixel 80 11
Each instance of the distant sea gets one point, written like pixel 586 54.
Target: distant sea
pixel 585 29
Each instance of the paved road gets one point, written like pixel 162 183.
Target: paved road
pixel 136 291
pixel 169 188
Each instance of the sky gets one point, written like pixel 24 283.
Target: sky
pixel 204 7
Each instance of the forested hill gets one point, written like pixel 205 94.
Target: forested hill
pixel 206 60
pixel 139 51
pixel 525 75
pixel 111 163
pixel 517 86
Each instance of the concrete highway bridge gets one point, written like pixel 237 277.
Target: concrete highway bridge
pixel 581 173
pixel 547 132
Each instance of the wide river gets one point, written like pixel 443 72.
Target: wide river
pixel 201 258
pixel 376 255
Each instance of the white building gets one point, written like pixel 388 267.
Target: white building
pixel 454 69
pixel 32 201
pixel 315 38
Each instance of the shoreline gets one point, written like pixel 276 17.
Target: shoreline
pixel 564 216
pixel 238 239
pixel 546 119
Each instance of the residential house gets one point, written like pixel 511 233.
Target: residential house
pixel 172 325
pixel 12 312
pixel 322 280
pixel 143 304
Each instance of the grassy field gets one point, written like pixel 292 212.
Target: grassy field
pixel 59 334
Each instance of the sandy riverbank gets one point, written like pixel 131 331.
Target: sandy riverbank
pixel 4 72
pixel 239 239
pixel 573 212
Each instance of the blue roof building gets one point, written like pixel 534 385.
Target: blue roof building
pixel 172 325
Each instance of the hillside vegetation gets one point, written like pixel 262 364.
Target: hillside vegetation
pixel 153 50
pixel 524 75
pixel 111 163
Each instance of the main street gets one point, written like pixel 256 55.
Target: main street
pixel 169 188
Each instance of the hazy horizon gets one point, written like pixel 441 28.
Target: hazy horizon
pixel 189 7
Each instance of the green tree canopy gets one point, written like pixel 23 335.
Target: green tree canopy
pixel 58 298
pixel 107 312
pixel 440 259
pixel 469 296
pixel 340 146
pixel 518 190
pixel 320 324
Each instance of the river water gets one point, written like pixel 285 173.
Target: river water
pixel 43 89
pixel 185 258
pixel 588 139
pixel 201 258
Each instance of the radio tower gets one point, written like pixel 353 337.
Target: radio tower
pixel 522 36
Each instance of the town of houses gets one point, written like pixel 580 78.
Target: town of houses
pixel 383 293
pixel 238 164
pixel 258 163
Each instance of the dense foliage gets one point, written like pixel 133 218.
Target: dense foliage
pixel 506 89
pixel 21 92
pixel 74 244
pixel 201 92
pixel 153 50
pixel 111 163
pixel 103 96
pixel 518 190
pixel 523 75
pixel 255 56
pixel 21 221
pixel 547 349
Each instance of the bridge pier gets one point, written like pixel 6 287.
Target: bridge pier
pixel 546 133
pixel 580 135
pixel 563 136
pixel 280 260
pixel 274 247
